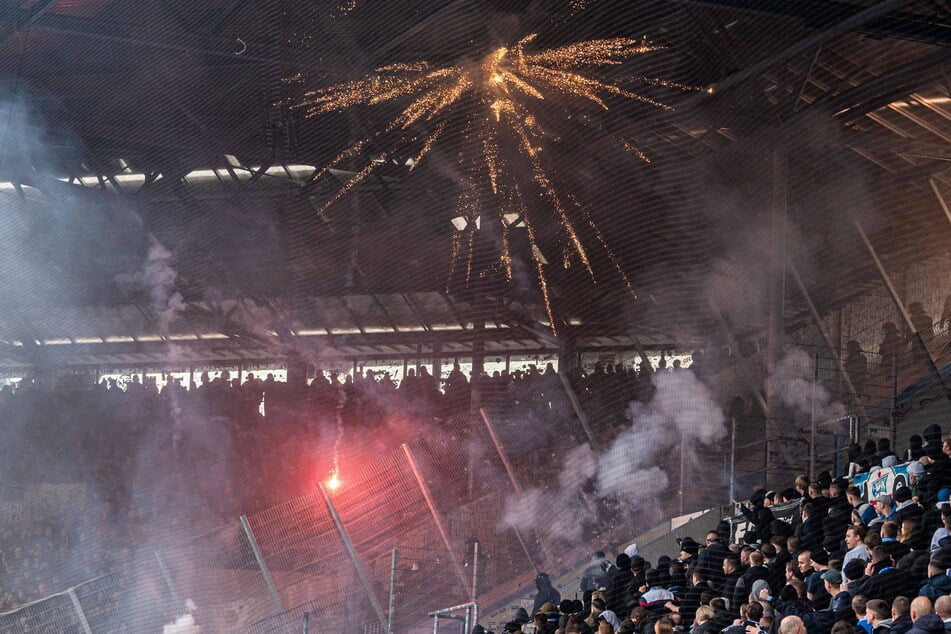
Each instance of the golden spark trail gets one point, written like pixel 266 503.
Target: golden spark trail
pixel 354 180
pixel 539 267
pixel 506 252
pixel 490 150
pixel 350 151
pixel 636 151
pixel 545 185
pixel 604 245
pixel 427 145
pixel 453 256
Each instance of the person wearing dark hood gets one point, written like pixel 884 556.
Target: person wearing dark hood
pixel 546 593
pixel 759 515
pixel 619 588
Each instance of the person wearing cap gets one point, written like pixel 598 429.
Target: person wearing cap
pixel 512 626
pixel 944 530
pixel 884 509
pixel 815 620
pixel 688 554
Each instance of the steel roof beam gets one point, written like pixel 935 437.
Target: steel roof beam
pixel 906 26
pixel 179 41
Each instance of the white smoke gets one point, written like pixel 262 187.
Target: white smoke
pixel 159 277
pixel 182 625
pixel 793 382
pixel 185 624
pixel 631 474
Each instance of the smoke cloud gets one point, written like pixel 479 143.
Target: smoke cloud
pixel 630 475
pixel 793 381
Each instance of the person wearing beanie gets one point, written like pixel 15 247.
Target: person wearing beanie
pixel 906 506
pixel 815 588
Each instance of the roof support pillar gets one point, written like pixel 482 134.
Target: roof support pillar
pixel 917 341
pixel 775 428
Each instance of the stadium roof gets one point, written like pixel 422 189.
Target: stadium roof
pixel 172 122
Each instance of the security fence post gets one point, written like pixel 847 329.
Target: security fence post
pixel 352 553
pixel 167 576
pixel 264 570
pixel 392 606
pixel 79 610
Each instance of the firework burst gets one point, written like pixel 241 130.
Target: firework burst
pixel 505 85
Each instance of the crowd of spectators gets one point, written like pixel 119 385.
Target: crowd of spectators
pixel 840 564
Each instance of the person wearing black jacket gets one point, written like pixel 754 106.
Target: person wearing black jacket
pixel 731 576
pixel 810 531
pixel 619 587
pixel 710 561
pixel 885 581
pixel 759 515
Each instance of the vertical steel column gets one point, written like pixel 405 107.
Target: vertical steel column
pixel 777 276
pixel 733 462
pixel 475 584
pixel 264 570
pixel 427 496
pixel 902 309
pixel 498 448
pixel 176 599
pixel 747 373
pixel 306 622
pixel 392 605
pixel 352 553
pixel 825 335
pixel 515 485
pixel 813 423
pixel 79 611
pixel 683 467
pixel 576 406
